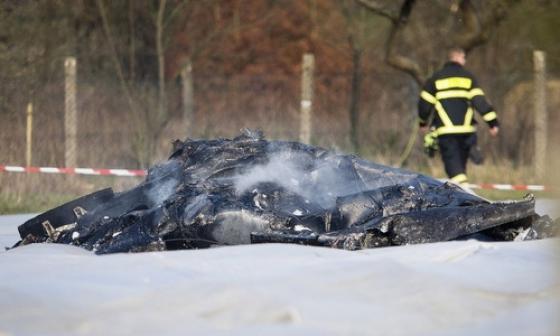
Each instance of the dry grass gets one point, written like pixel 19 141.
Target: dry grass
pixel 24 193
pixel 501 172
pixel 109 132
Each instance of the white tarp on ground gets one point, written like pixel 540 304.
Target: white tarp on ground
pixel 453 288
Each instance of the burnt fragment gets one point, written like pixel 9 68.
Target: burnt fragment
pixel 249 190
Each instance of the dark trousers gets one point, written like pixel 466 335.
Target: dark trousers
pixel 455 150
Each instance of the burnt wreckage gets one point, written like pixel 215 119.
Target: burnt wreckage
pixel 250 190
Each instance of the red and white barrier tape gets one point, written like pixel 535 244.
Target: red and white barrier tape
pixel 521 187
pixel 139 172
pixel 74 171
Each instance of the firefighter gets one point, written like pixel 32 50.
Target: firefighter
pixel 446 106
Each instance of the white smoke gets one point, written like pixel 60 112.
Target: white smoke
pixel 163 191
pixel 320 183
pixel 281 169
pixel 164 179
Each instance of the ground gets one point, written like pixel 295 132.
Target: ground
pixel 453 288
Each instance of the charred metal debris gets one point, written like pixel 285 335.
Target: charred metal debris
pixel 249 190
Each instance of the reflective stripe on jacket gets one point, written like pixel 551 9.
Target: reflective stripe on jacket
pixel 451 95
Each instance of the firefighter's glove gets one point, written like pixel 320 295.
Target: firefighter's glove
pixel 476 155
pixel 431 144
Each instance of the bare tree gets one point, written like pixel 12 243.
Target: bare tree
pixel 160 52
pixel 474 29
pixel 148 122
pixel 351 40
pixel 132 40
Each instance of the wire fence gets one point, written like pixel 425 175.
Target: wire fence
pixel 112 134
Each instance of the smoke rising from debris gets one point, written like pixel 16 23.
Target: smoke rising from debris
pixel 168 177
pixel 320 184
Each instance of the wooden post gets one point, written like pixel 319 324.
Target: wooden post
pixel 541 117
pixel 29 135
pixel 187 94
pixel 306 97
pixel 70 114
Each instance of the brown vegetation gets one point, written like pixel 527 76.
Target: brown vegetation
pixel 246 57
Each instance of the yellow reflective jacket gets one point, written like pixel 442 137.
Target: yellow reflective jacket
pixel 451 94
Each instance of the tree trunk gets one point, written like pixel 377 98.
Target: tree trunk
pixel 355 95
pixel 132 45
pixel 237 22
pixel 188 98
pixel 161 60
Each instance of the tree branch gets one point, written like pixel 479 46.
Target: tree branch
pixel 401 62
pixel 176 10
pixel 392 58
pixel 114 55
pixel 398 22
pixel 472 32
pixel 162 112
pixel 227 29
pixel 476 31
pixel 380 10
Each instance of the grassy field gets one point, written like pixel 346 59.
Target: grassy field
pixel 25 193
